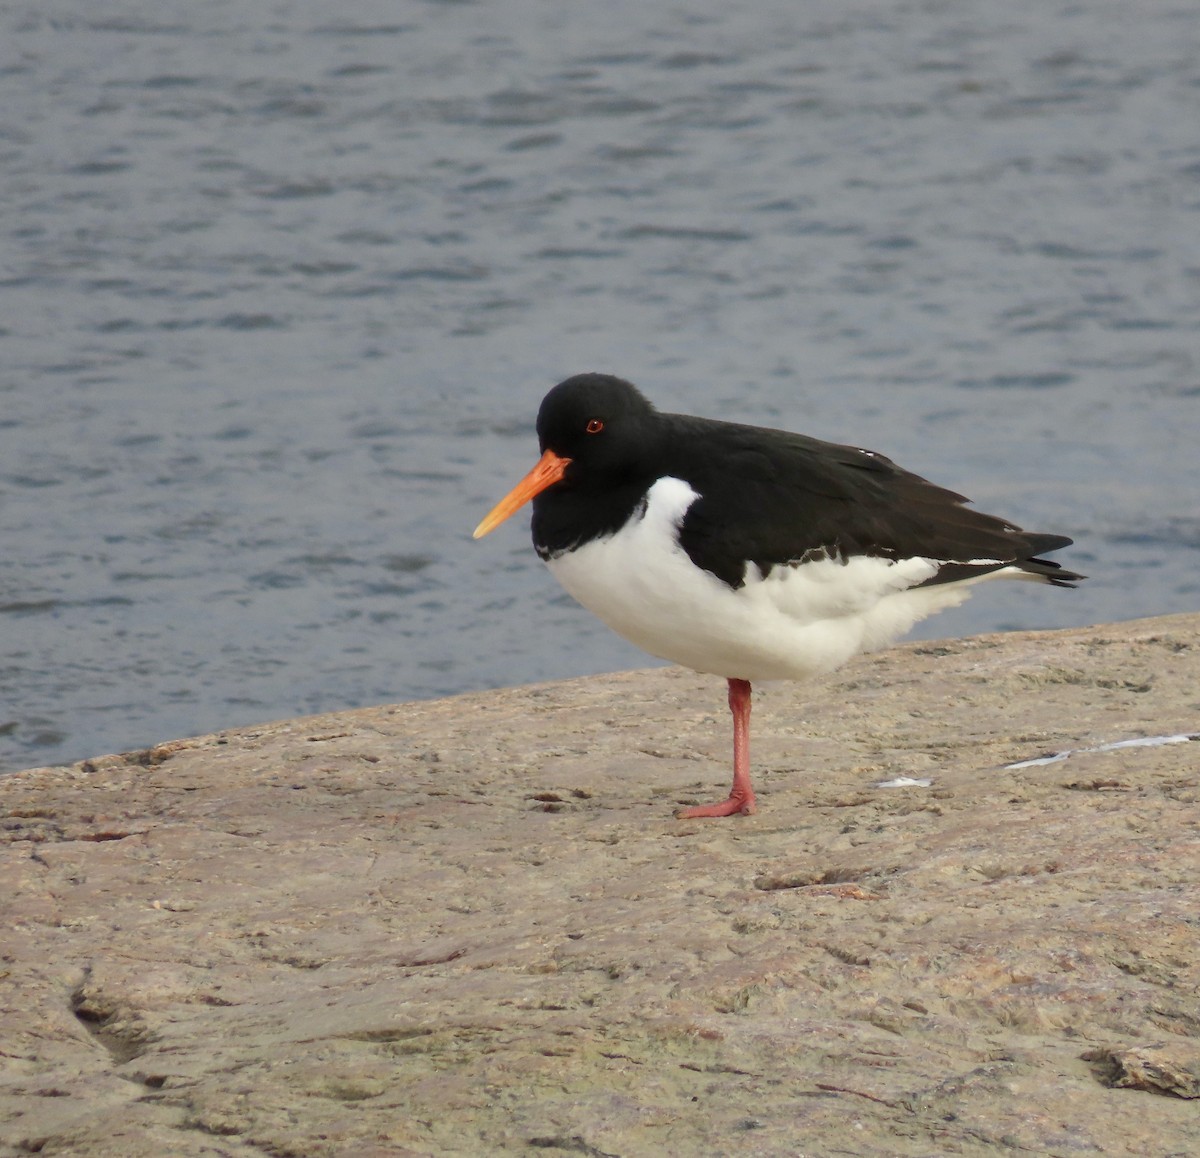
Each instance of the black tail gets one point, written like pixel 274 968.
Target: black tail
pixel 1047 569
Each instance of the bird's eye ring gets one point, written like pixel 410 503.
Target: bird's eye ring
pixel 594 426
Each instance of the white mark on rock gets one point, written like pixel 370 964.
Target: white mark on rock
pixel 1140 742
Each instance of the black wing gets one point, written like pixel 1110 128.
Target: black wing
pixel 799 498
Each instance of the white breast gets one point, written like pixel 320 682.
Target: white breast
pixel 798 621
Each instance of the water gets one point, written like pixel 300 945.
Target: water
pixel 284 283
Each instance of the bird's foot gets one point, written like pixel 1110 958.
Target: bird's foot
pixel 738 803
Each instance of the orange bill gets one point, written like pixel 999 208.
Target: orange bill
pixel 548 471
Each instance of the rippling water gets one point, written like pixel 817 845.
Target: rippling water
pixel 283 285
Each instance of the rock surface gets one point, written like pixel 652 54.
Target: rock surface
pixel 472 926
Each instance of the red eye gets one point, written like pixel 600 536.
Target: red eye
pixel 595 426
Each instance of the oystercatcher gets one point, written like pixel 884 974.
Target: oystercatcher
pixel 748 553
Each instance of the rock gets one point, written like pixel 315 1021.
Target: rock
pixel 473 926
pixel 1162 1068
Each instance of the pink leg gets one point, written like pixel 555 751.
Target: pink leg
pixel 741 795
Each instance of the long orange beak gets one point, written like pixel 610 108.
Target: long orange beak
pixel 547 472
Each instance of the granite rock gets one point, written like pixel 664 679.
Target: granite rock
pixel 473 926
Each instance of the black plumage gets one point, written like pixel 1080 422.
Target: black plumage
pixel 767 497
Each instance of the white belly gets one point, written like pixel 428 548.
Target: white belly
pixel 799 621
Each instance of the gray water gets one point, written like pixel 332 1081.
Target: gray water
pixel 284 283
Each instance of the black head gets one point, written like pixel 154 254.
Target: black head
pixel 602 424
pixel 599 439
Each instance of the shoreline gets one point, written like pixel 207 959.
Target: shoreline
pixel 473 925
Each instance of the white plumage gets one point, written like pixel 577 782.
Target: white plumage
pixel 799 621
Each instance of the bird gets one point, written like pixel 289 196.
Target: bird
pixel 748 552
